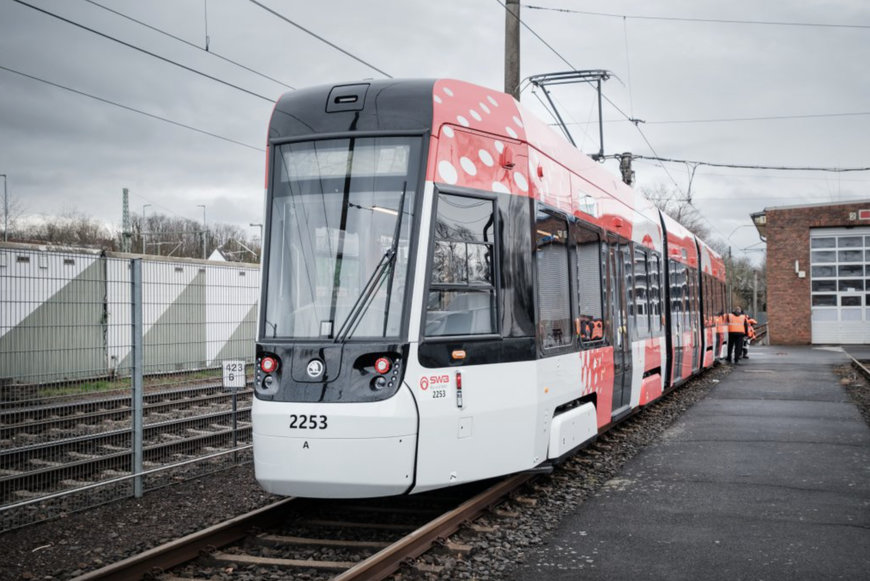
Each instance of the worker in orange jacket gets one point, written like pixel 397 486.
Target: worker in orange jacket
pixel 750 335
pixel 737 329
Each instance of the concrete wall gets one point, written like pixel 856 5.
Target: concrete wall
pixel 65 315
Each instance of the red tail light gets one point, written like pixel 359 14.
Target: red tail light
pixel 382 365
pixel 268 364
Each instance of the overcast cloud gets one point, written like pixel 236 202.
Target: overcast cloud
pixel 66 152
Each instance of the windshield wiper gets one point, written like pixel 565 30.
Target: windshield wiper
pixel 361 305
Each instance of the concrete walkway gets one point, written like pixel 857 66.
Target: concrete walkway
pixel 767 478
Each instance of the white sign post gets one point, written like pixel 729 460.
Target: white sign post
pixel 234 379
pixel 234 374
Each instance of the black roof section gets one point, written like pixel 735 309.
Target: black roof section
pixel 381 105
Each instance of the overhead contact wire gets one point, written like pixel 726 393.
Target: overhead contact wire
pixel 144 51
pixel 318 37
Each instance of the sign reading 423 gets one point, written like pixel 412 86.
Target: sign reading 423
pixel 234 374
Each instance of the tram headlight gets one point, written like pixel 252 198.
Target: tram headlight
pixel 379 383
pixel 266 386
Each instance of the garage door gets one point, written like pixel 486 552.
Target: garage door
pixel 839 271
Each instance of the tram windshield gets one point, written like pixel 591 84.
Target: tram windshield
pixel 340 237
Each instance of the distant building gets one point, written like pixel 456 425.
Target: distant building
pixel 818 272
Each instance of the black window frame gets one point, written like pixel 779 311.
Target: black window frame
pixel 495 273
pixel 577 226
pixel 570 332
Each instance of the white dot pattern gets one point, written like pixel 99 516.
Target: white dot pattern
pixel 447 172
pixel 473 159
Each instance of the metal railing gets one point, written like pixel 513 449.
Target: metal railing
pixel 110 375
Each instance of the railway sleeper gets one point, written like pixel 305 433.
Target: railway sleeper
pixel 285 563
pixel 307 541
pixel 49 475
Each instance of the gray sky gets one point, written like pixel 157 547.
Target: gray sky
pixel 713 82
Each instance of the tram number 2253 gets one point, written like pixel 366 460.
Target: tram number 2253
pixel 307 422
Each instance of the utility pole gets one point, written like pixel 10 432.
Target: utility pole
pixel 144 234
pixel 512 48
pixel 5 210
pixel 203 230
pixel 126 234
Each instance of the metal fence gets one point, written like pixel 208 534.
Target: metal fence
pixel 110 375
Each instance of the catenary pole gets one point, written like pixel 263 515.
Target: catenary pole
pixel 5 210
pixel 512 48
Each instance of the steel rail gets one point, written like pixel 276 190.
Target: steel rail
pixel 121 461
pixel 55 449
pixel 388 560
pixel 87 400
pixel 859 367
pixel 8 430
pixel 160 559
pixel 187 548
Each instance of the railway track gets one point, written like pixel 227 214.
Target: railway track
pixel 58 447
pixel 14 416
pixel 27 430
pixel 343 540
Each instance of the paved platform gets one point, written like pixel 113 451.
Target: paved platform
pixel 766 478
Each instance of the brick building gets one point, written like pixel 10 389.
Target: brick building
pixel 818 259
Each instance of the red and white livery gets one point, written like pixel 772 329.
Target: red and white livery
pixel 452 292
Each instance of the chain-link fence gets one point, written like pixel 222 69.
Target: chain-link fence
pixel 111 377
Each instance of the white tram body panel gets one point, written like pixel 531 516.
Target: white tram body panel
pixel 492 433
pixel 368 450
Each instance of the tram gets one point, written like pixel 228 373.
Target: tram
pixel 452 292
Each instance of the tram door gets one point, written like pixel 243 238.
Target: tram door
pixel 618 259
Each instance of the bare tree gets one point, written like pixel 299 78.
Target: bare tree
pixel 157 234
pixel 10 220
pixel 744 279
pixel 70 229
pixel 168 236
pixel 678 208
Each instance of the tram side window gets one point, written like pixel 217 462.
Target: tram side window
pixel 587 244
pixel 684 292
pixel 554 296
pixel 675 293
pixel 694 294
pixel 641 292
pixel 705 298
pixel 655 293
pixel 461 286
pixel 628 274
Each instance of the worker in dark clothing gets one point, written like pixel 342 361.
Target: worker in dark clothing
pixel 737 329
